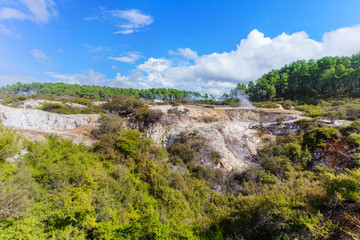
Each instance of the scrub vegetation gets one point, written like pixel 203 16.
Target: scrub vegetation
pixel 304 185
pixel 126 187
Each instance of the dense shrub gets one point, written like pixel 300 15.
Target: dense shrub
pixel 184 151
pixel 354 127
pixel 64 108
pixel 192 147
pixel 282 156
pixel 317 137
pixel 123 107
pixel 126 187
pixel 265 104
pixel 145 117
pixel 9 143
pixel 280 120
pixel 108 124
pixel 177 112
pixel 61 190
pixel 308 124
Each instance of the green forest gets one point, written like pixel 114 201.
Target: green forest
pixel 99 92
pixel 323 78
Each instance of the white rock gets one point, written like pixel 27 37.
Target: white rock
pixel 33 119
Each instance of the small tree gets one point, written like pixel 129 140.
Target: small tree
pixel 334 115
pixel 280 120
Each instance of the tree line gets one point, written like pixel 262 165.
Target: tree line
pixel 101 92
pixel 322 78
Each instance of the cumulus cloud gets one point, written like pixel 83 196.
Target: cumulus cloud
pixel 40 55
pixel 127 21
pixel 217 73
pixel 88 78
pixel 127 58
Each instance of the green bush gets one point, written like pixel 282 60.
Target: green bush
pixel 145 117
pixel 316 138
pixel 354 127
pixel 288 104
pixel 109 124
pixel 308 124
pixel 123 107
pixel 265 104
pixel 182 150
pixel 280 120
pixel 284 155
pixel 209 119
pixel 9 143
pixel 68 109
pixel 354 139
pixel 344 186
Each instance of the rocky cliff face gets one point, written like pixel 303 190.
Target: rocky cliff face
pixel 235 141
pixel 232 132
pixel 35 124
pixel 33 119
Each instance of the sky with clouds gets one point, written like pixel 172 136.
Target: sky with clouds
pixel 204 45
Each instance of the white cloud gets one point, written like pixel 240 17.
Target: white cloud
pixel 125 31
pixel 38 11
pixel 185 52
pixel 128 58
pixel 5 30
pixel 40 55
pixel 89 78
pixel 97 49
pixel 128 21
pixel 342 41
pixel 113 67
pixel 133 20
pixel 10 13
pixel 217 73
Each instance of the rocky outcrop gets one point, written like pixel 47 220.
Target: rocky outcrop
pixel 236 142
pixel 233 132
pixel 33 119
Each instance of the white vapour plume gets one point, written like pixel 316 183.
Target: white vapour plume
pixel 243 99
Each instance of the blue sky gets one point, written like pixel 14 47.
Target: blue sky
pixel 205 46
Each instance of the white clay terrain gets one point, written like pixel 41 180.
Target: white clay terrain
pixel 233 132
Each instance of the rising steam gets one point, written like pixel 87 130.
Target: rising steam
pixel 243 99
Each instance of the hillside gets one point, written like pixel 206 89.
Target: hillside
pixel 223 128
pixel 168 170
